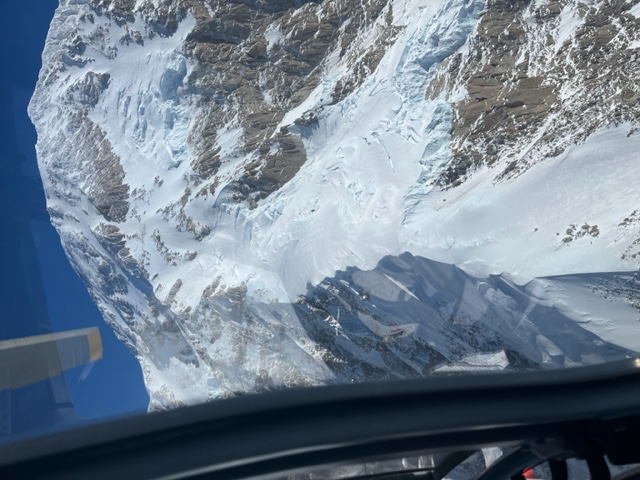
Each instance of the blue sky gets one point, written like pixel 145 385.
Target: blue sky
pixel 114 384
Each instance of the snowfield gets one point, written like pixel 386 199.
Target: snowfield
pixel 521 226
pixel 187 280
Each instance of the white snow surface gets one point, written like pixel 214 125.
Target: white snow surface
pixel 366 190
pixel 519 226
pixel 481 362
pixel 368 160
pixel 605 313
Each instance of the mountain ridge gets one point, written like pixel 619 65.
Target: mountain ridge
pixel 200 153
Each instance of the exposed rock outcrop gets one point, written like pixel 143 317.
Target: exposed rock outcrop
pixel 540 75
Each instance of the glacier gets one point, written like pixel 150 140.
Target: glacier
pixel 152 160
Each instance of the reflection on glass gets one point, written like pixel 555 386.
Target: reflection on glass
pixel 418 466
pixel 265 195
pixel 33 394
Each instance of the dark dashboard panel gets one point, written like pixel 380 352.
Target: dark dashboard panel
pixel 585 412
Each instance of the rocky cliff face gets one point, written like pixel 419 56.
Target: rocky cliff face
pixel 208 162
pixel 539 77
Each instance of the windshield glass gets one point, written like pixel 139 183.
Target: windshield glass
pixel 206 199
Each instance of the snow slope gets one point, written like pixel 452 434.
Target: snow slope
pixel 521 226
pixel 187 270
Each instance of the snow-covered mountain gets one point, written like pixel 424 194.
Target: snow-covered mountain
pixel 237 183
